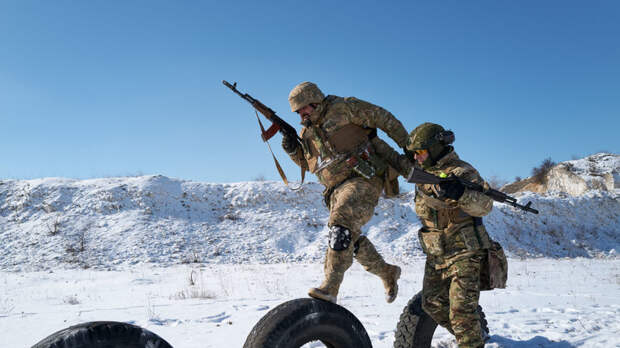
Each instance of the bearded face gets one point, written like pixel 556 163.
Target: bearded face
pixel 310 114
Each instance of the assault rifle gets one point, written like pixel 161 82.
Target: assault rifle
pixel 278 124
pixel 419 176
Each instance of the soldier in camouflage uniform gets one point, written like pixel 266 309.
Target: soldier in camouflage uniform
pixel 336 147
pixel 452 234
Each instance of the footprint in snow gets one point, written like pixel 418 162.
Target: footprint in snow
pixel 218 318
pixel 384 334
pixel 164 322
pixel 142 281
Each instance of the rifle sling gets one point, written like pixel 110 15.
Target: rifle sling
pixel 266 135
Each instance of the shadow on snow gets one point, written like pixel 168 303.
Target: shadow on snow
pixel 537 341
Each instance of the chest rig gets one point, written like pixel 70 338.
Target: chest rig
pixel 337 149
pixel 447 231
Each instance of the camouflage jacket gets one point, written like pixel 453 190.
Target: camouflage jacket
pixel 341 128
pixel 449 229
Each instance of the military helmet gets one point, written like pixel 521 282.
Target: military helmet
pixel 428 136
pixel 304 94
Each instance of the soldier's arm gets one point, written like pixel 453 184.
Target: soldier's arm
pixel 395 159
pixel 473 202
pixel 297 153
pixel 365 114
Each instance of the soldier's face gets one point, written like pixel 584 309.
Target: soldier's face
pixel 305 113
pixel 421 156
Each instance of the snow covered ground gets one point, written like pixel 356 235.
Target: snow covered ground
pixel 548 302
pixel 125 249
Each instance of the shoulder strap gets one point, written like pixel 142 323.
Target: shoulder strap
pixel 278 167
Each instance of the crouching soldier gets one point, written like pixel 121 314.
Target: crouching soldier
pixel 336 148
pixel 452 235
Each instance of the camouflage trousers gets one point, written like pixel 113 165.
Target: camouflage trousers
pixel 450 296
pixel 352 205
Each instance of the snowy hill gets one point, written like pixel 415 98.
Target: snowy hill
pixel 600 171
pixel 103 223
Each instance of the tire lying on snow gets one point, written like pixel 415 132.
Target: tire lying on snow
pixel 415 328
pixel 297 322
pixel 103 334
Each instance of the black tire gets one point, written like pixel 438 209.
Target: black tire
pixel 415 328
pixel 103 334
pixel 297 322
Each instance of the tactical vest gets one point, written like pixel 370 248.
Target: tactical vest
pixel 447 230
pixel 335 149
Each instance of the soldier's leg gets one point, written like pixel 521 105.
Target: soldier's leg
pixel 435 295
pixel 354 206
pixel 344 230
pixel 336 263
pixel 464 296
pixel 366 254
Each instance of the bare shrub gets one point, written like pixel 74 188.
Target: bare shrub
pixel 151 314
pixel 196 288
pixel 518 178
pixel 193 258
pixel 193 292
pixel 539 174
pixel 192 278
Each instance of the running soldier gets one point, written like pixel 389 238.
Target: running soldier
pixel 338 138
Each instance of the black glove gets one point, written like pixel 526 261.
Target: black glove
pixel 289 144
pixel 451 189
pixel 409 154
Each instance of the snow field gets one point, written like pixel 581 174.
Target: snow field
pixel 548 303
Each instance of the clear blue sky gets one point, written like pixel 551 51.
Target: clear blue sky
pixel 109 88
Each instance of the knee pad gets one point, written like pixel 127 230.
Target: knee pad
pixel 339 238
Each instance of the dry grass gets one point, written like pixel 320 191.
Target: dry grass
pixel 193 292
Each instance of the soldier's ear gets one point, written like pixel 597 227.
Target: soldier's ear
pixel 445 137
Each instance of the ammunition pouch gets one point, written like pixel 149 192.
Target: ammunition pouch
pixel 470 238
pixel 494 268
pixel 366 163
pixel 432 242
pixel 361 166
pixel 474 237
pixel 449 241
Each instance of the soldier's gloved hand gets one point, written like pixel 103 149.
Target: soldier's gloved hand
pixel 289 144
pixel 409 154
pixel 452 189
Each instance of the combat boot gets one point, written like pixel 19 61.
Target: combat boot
pixel 328 291
pixel 371 260
pixel 336 263
pixel 390 282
